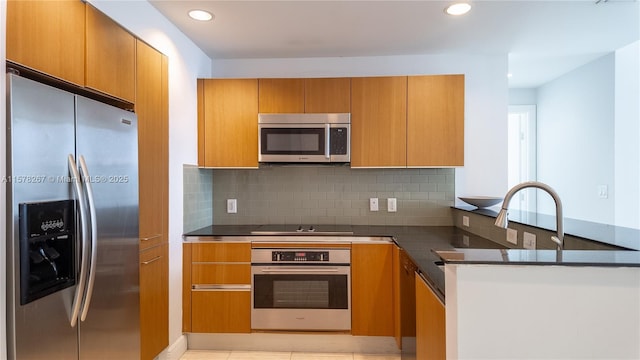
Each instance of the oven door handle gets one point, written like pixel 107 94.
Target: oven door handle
pixel 299 270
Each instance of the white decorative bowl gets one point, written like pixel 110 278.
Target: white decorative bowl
pixel 481 201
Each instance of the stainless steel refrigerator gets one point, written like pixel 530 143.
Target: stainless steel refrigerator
pixel 72 233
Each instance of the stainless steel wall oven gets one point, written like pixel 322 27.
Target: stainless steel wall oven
pixel 306 289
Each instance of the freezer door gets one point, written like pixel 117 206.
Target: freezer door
pixel 40 136
pixel 107 140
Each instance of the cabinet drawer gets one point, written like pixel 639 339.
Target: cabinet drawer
pixel 221 311
pixel 222 252
pixel 220 273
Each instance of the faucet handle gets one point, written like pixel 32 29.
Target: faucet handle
pixel 558 242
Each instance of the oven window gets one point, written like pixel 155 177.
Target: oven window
pixel 285 141
pixel 300 292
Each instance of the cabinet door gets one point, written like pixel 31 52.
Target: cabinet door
pixel 404 299
pixel 327 95
pixel 154 301
pixel 281 95
pixel 152 144
pixel 228 123
pixel 221 311
pixel 48 36
pixel 110 56
pixel 435 120
pixel 371 285
pixel 186 287
pixel 379 122
pixel 164 176
pixel 430 323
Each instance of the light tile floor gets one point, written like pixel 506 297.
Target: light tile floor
pixel 253 355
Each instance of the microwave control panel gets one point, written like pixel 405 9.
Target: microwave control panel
pixel 339 138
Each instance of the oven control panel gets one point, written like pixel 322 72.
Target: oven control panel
pixel 298 255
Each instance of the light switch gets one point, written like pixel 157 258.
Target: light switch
pixel 232 206
pixel 465 221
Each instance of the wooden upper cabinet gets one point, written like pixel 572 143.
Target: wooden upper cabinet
pixel 435 120
pixel 378 121
pixel 228 123
pixel 281 95
pixel 48 36
pixel 327 95
pixel 110 56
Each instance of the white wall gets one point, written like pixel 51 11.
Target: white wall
pixel 542 312
pixel 576 141
pixel 522 96
pixel 486 97
pixel 627 136
pixel 3 197
pixel 186 63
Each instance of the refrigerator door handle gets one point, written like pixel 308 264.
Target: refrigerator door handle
pixel 80 286
pixel 94 237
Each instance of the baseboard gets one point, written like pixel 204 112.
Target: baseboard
pixel 175 350
pixel 289 342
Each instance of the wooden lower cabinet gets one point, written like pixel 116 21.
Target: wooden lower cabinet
pixel 217 287
pixel 154 301
pixel 220 311
pixel 430 323
pixel 371 290
pixel 404 298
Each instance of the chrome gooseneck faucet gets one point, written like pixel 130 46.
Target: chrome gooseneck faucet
pixel 502 221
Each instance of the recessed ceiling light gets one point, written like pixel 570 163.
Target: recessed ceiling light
pixel 458 9
pixel 200 15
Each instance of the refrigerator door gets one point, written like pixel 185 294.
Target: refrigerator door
pixel 107 141
pixel 40 136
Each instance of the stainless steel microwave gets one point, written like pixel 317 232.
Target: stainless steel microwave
pixel 312 138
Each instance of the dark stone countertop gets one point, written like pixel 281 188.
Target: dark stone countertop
pixel 420 242
pixel 623 237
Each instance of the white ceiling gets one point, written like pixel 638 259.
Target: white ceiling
pixel 544 38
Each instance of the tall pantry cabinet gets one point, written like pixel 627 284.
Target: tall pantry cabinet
pixel 153 156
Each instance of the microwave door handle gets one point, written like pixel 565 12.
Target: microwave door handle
pixel 327 140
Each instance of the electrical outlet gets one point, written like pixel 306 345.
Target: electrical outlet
pixel 391 205
pixel 603 191
pixel 529 241
pixel 512 236
pixel 373 204
pixel 232 206
pixel 465 221
pixel 465 240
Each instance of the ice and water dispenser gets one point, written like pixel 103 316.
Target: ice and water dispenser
pixel 47 248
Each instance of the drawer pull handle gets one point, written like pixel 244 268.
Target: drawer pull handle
pixel 151 237
pixel 152 260
pixel 235 287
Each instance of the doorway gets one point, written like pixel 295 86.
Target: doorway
pixel 522 161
